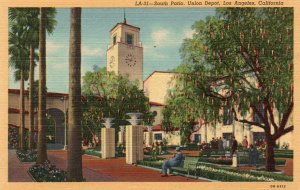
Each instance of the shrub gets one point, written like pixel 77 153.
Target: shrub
pixel 92 152
pixel 237 175
pixel 47 173
pixel 153 164
pixel 27 155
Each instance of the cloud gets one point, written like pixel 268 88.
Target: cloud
pixel 160 36
pixel 88 51
pixel 54 47
pixel 189 33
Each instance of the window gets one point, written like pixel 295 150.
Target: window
pixel 256 118
pixel 227 136
pixel 258 136
pixel 129 39
pixel 114 40
pixel 227 117
pixel 158 136
pixel 197 138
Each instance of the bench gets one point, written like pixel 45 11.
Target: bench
pixel 188 164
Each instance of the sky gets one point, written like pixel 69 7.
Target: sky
pixel 162 33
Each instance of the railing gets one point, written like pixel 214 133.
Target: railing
pixel 129 45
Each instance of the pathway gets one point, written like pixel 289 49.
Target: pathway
pixel 98 170
pixel 17 171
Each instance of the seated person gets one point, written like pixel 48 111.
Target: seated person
pixel 178 158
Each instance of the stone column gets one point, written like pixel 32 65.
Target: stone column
pixel 107 143
pixel 149 138
pixel 134 144
pixel 121 135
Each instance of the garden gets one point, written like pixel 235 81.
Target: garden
pixel 221 172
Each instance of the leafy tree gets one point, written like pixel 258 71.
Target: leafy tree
pixel 184 109
pixel 243 59
pixel 109 95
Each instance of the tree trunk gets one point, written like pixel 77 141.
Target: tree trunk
pixel 41 146
pixel 22 119
pixel 270 161
pixel 31 91
pixel 74 168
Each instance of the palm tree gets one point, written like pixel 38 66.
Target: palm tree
pixel 74 168
pixel 32 37
pixel 19 61
pixel 47 16
pixel 27 20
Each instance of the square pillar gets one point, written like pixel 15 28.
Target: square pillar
pixel 149 139
pixel 107 143
pixel 134 144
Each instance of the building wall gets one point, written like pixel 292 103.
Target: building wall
pixel 13 101
pixel 173 138
pixel 157 85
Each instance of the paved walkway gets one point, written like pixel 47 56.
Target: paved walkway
pixel 110 170
pixel 98 170
pixel 17 170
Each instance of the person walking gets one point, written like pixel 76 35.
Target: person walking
pixel 220 144
pixel 233 146
pixel 245 143
pixel 178 158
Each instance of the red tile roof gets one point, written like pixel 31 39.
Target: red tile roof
pixel 156 104
pixel 159 128
pixel 15 110
pixel 49 94
pixel 125 24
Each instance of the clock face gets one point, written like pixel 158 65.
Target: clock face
pixel 112 61
pixel 130 60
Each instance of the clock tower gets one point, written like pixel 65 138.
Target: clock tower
pixel 125 52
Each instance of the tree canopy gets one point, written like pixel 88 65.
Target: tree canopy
pixel 109 95
pixel 242 59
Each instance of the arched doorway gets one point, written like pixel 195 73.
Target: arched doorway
pixel 59 121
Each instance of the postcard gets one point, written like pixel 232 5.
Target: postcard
pixel 149 94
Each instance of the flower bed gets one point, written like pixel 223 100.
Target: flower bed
pixel 214 172
pixel 47 173
pixel 242 160
pixel 230 174
pixel 221 160
pixel 27 155
pixel 13 136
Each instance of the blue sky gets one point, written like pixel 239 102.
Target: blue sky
pixel 163 28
